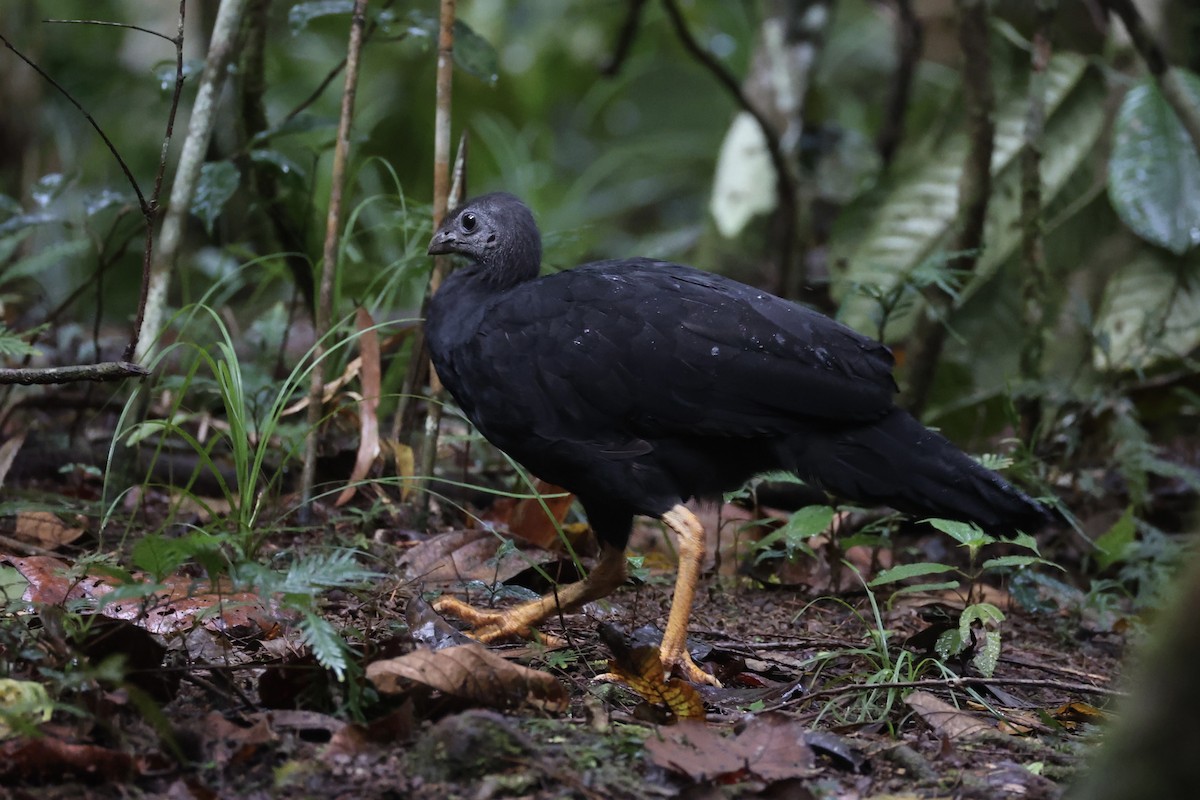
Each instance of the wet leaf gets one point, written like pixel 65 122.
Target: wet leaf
pixel 1154 170
pixel 471 672
pixel 475 54
pixel 218 181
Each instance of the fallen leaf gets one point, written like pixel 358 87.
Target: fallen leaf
pixel 529 520
pixel 45 758
pixel 44 529
pixel 946 720
pixel 471 672
pixel 772 747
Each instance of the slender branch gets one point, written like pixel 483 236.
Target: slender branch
pixel 441 203
pixel 910 38
pixel 625 38
pixel 148 247
pixel 1169 79
pixel 104 371
pixel 974 190
pixel 112 148
pixel 954 683
pixel 785 184
pixel 200 128
pixel 336 70
pixel 333 217
pixel 108 24
pixel 1035 289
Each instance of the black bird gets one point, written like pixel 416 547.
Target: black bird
pixel 638 384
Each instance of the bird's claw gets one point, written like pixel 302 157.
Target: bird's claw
pixel 688 669
pixel 490 626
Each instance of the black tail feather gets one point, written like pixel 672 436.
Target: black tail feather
pixel 900 463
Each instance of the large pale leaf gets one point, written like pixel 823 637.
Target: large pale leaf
pixel 1150 312
pixel 913 220
pixel 1154 171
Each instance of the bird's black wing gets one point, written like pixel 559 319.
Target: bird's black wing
pixel 639 347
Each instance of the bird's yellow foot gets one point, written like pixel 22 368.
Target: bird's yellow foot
pixel 491 626
pixel 689 669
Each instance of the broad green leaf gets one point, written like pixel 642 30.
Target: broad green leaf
pixel 218 181
pixel 1150 312
pixel 1016 561
pixel 1154 170
pixel 301 14
pixel 158 555
pixel 475 54
pixel 906 571
pixel 891 234
pixel 922 588
pixel 965 533
pixel 47 258
pixel 1114 544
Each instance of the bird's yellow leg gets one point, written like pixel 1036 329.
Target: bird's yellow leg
pixel 519 621
pixel 673 650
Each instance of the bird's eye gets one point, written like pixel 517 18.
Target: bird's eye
pixel 469 222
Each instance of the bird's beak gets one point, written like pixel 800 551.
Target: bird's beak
pixel 442 243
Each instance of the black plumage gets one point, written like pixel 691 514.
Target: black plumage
pixel 638 384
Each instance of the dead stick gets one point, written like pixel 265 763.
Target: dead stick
pixel 329 254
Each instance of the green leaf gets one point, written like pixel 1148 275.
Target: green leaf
pixel 327 646
pixel 1154 170
pixel 801 526
pixel 884 240
pixel 218 181
pixel 158 555
pixel 475 54
pixel 906 571
pixel 1116 542
pixel 11 344
pixel 967 534
pixel 37 263
pixel 1150 313
pixel 987 653
pixel 1016 561
pixel 301 14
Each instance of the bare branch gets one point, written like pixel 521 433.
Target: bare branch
pixel 625 38
pixel 785 184
pixel 974 191
pixel 909 41
pixel 1035 289
pixel 200 128
pixel 1168 78
pixel 104 371
pixel 333 223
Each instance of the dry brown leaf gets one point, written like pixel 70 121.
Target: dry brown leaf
pixel 406 464
pixel 45 758
pixel 368 407
pixel 185 603
pixel 474 673
pixel 771 748
pixel 45 529
pixel 529 521
pixel 946 720
pixel 8 453
pixel 451 558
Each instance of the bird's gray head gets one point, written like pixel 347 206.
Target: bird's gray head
pixel 495 231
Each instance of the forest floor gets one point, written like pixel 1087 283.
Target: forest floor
pixel 829 690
